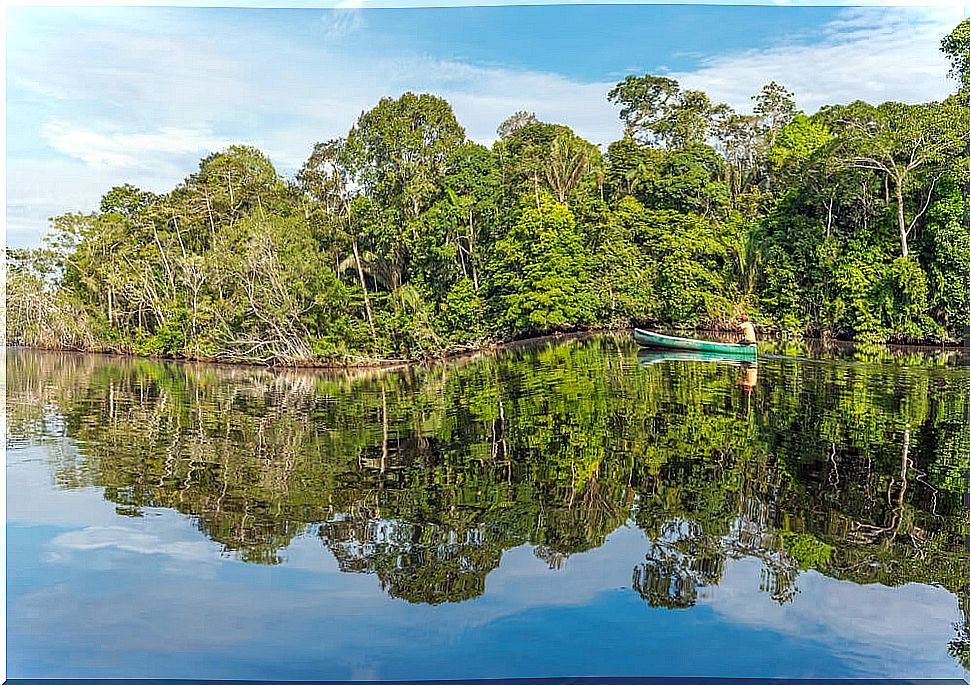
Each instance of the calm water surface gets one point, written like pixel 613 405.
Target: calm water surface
pixel 556 509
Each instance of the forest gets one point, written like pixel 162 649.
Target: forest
pixel 404 239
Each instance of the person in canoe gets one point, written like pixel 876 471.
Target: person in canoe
pixel 747 332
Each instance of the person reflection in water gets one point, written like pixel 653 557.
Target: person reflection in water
pixel 749 376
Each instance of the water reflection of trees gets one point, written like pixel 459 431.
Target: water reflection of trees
pixel 417 562
pixel 424 477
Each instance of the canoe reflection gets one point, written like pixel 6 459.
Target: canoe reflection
pixel 747 379
pixel 647 357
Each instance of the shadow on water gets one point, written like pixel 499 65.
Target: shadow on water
pixel 848 463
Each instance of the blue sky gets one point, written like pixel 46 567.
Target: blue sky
pixel 101 96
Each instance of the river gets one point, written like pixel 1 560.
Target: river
pixel 559 508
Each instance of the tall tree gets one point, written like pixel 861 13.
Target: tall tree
pixel 541 156
pixel 520 119
pixel 325 177
pixel 658 112
pixel 399 150
pixel 538 275
pixel 775 108
pixel 910 146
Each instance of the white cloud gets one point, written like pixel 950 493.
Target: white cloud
pixel 135 541
pixel 837 628
pixel 852 616
pixel 128 150
pixel 40 189
pixel 872 55
pixel 483 97
pixel 342 22
pixel 36 87
pixel 174 111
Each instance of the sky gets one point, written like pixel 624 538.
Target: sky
pixel 104 95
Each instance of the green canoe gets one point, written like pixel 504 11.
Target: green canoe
pixel 669 342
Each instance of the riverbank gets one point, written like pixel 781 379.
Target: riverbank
pixel 348 362
pixel 452 353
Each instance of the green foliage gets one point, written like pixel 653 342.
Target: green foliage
pixel 623 274
pixel 539 275
pixel 807 550
pixel 656 110
pixel 462 314
pixel 400 148
pixel 168 338
pixel 691 263
pixel 687 179
pixel 903 295
pixel 797 141
pixel 956 46
pixel 536 156
pixel 947 245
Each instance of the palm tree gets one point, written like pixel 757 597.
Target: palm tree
pixel 567 165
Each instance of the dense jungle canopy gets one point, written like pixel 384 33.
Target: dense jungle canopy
pixel 404 238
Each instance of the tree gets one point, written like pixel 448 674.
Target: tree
pixel 518 120
pixel 542 156
pixel 570 159
pixel 797 141
pixel 746 139
pixel 687 179
pixel 738 137
pixel 947 255
pixel 775 108
pixel 910 146
pixel 539 272
pixel 325 177
pixel 399 150
pixel 657 112
pixel 692 258
pixel 472 193
pixel 956 46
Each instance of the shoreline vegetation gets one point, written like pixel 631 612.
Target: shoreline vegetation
pixel 791 348
pixel 404 241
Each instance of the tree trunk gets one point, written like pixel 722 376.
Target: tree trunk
pixel 384 449
pixel 901 216
pixel 471 249
pixel 161 251
pixel 461 256
pixel 212 221
pixel 904 467
pixel 828 225
pixel 363 286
